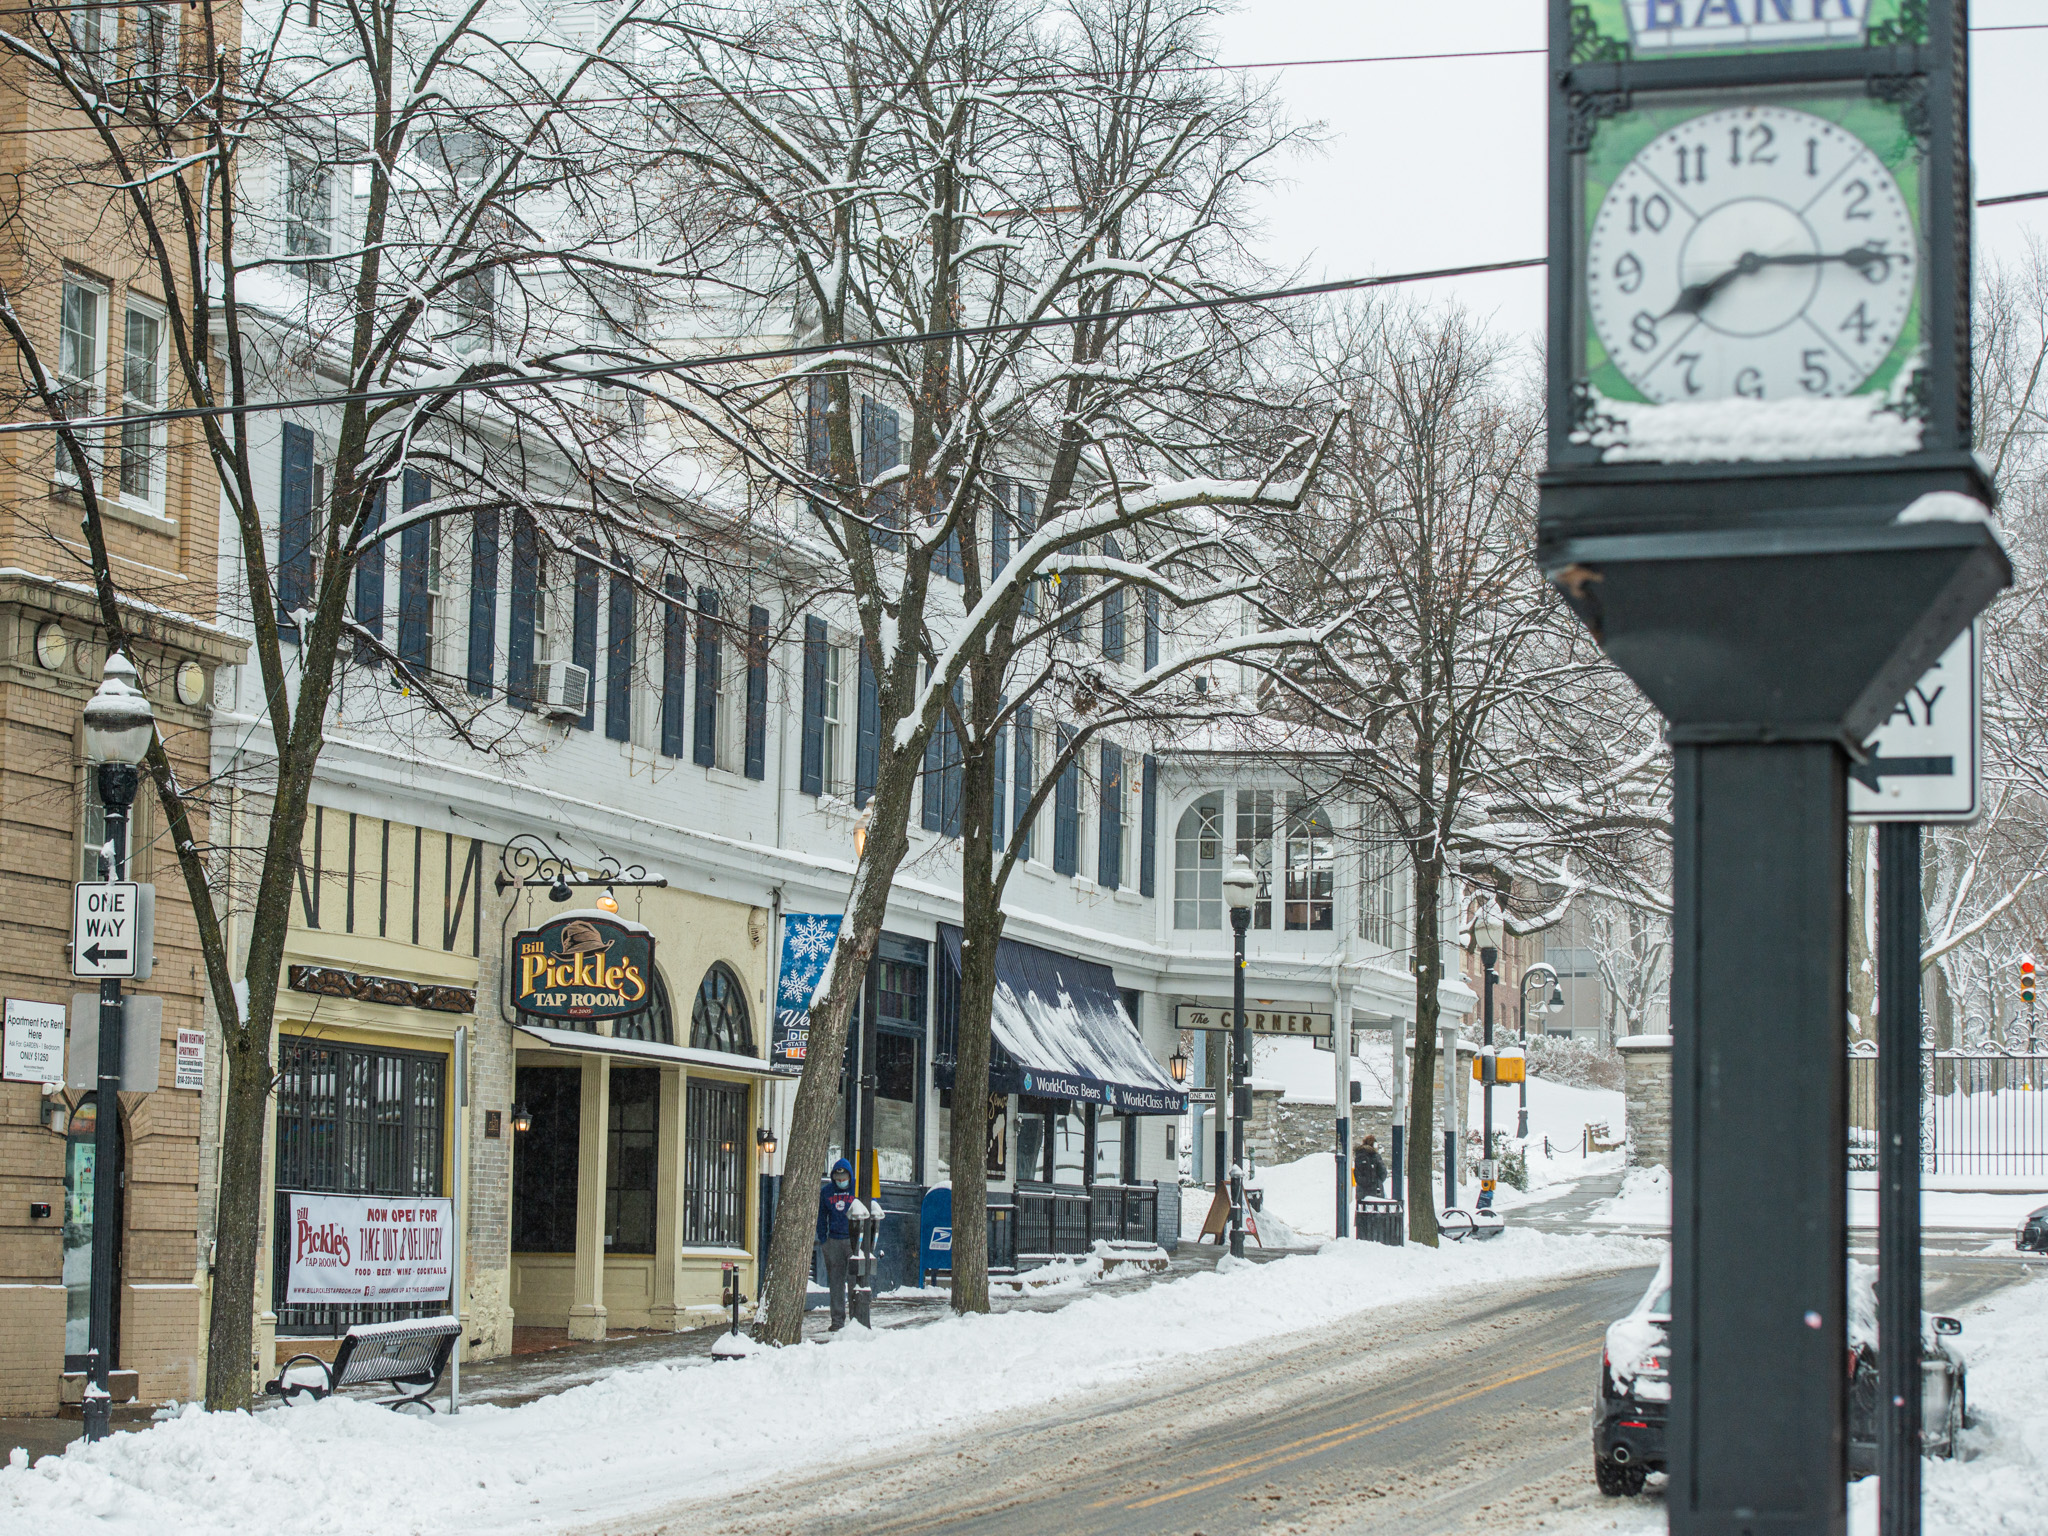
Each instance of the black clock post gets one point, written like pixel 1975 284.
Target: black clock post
pixel 1728 466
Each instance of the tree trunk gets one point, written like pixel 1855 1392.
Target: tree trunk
pixel 789 1246
pixel 981 924
pixel 1422 1092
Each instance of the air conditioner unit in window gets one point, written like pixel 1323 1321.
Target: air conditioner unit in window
pixel 564 689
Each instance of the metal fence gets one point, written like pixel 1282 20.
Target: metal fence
pixel 1981 1112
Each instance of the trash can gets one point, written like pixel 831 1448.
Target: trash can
pixel 1380 1221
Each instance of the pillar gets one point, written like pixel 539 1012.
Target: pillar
pixel 587 1315
pixel 667 1311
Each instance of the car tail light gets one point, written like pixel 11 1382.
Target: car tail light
pixel 1634 1423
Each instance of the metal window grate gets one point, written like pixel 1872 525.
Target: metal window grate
pixel 714 1203
pixel 352 1120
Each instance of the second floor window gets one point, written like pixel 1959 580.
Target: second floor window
pixel 1380 895
pixel 1198 865
pixel 81 333
pixel 1311 868
pixel 142 390
pixel 308 217
pixel 1255 842
pixel 834 720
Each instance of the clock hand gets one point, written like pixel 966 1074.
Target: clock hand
pixel 1694 297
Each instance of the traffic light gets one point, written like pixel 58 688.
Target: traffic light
pixel 2027 982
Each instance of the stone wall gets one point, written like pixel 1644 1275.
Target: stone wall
pixel 1646 1061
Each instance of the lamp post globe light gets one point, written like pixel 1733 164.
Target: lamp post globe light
pixel 119 726
pixel 1487 931
pixel 1554 1005
pixel 1239 887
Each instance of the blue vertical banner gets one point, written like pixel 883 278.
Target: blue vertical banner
pixel 807 940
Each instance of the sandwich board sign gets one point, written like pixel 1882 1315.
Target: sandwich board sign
pixel 1925 760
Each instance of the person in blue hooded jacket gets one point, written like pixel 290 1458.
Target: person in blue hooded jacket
pixel 835 1235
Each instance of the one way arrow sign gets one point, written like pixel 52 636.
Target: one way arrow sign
pixel 1923 763
pixel 113 929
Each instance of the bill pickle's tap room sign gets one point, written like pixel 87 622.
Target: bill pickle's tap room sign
pixel 582 967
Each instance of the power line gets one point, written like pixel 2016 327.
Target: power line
pixel 2011 197
pixel 773 354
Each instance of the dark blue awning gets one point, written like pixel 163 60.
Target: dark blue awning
pixel 1062 1033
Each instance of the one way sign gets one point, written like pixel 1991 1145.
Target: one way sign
pixel 113 929
pixel 1923 763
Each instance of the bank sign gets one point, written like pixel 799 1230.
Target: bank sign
pixel 582 966
pixel 1673 26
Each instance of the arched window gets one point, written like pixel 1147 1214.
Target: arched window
pixel 718 1021
pixel 1198 865
pixel 656 1022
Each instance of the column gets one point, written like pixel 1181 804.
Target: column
pixel 586 1317
pixel 667 1311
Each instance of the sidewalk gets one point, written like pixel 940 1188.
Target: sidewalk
pixel 522 1378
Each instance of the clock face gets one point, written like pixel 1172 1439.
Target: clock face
pixel 1755 251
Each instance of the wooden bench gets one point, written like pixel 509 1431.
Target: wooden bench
pixel 409 1354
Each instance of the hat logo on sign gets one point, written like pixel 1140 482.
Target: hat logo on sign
pixel 582 938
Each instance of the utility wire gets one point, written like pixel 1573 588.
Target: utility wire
pixel 772 354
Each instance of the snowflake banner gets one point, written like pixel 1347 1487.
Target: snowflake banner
pixel 807 940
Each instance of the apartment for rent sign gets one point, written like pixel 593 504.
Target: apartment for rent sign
pixel 368 1248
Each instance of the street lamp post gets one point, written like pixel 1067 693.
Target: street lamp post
pixel 119 725
pixel 1487 930
pixel 1239 886
pixel 1555 1005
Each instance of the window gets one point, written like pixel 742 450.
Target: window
pixel 1110 850
pixel 81 334
pixel 1380 896
pixel 615 327
pixel 94 30
pixel 1255 842
pixel 545 1158
pixel 1112 610
pixel 896 1105
pixel 142 389
pixel 714 1152
pixel 422 612
pixel 1115 1139
pixel 472 303
pixel 621 633
pixel 832 718
pixel 732 703
pixel 1311 868
pixel 1198 865
pixel 631 1159
pixel 656 1022
pixel 1027 757
pixel 156 47
pixel 308 217
pixel 353 1120
pixel 1070 1144
pixel 718 1019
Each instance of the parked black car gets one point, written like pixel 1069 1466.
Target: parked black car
pixel 1634 1401
pixel 2033 1234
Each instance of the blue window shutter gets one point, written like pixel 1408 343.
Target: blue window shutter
pixel 521 681
pixel 704 749
pixel 1026 521
pixel 999 528
pixel 818 435
pixel 947 560
pixel 618 670
pixel 1148 830
pixel 583 640
pixel 295 549
pixel 952 770
pixel 999 819
pixel 1066 813
pixel 879 450
pixel 1025 783
pixel 413 636
pixel 1151 633
pixel 483 602
pixel 1109 840
pixel 934 769
pixel 675 649
pixel 1112 611
pixel 867 740
pixel 811 774
pixel 370 575
pixel 756 765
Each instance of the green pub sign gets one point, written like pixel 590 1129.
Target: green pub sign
pixel 582 967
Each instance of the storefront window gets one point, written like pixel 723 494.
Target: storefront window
pixel 353 1120
pixel 896 1106
pixel 544 1160
pixel 1109 1149
pixel 631 1158
pixel 1031 1144
pixel 1069 1145
pixel 654 1022
pixel 1311 867
pixel 1255 842
pixel 78 1214
pixel 714 1197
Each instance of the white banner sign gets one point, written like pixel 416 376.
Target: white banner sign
pixel 368 1247
pixel 34 1042
pixel 191 1060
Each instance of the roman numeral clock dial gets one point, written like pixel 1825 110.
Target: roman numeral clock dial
pixel 1755 251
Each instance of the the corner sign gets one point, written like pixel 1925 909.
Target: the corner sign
pixel 1262 1021
pixel 1924 761
pixel 581 967
pixel 111 929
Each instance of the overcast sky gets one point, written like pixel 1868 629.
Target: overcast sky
pixel 1441 163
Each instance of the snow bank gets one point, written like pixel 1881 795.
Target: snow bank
pixel 646 1435
pixel 1644 1200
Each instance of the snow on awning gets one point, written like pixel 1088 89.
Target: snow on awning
pixel 1062 1033
pixel 646 1052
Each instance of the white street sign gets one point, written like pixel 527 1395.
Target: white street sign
pixel 34 1050
pixel 111 929
pixel 1924 761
